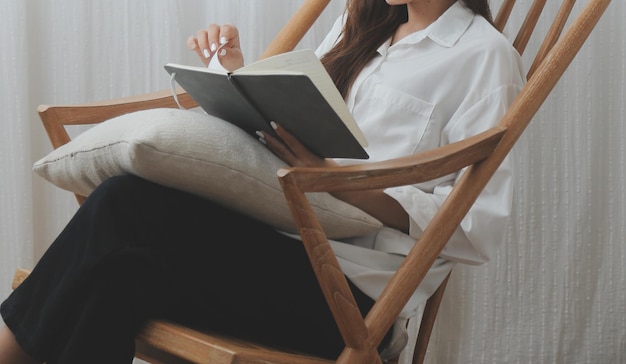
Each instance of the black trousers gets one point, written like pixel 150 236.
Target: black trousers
pixel 136 250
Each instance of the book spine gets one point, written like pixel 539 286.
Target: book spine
pixel 250 100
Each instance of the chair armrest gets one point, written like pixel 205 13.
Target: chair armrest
pixel 407 170
pixel 91 113
pixel 55 118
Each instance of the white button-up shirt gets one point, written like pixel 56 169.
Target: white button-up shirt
pixel 445 83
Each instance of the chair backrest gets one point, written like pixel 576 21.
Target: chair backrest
pixel 482 156
pixel 528 26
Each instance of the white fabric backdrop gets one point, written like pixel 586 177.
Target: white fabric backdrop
pixel 553 294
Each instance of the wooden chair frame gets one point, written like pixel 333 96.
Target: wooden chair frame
pixel 166 342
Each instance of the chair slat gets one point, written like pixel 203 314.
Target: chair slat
pixel 553 35
pixel 528 26
pixel 296 27
pixel 428 322
pixel 503 14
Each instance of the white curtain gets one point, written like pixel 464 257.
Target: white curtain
pixel 553 294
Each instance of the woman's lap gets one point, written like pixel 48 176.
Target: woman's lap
pixel 208 266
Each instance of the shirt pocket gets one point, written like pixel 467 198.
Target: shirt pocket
pixel 393 121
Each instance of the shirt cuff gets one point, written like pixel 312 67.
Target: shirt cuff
pixel 420 207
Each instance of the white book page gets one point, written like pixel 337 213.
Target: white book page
pixel 216 65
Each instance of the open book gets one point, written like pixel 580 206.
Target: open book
pixel 292 89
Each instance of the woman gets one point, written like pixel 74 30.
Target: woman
pixel 416 74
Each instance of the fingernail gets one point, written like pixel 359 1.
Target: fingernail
pixel 206 53
pixel 273 125
pixel 223 40
pixel 223 52
pixel 213 47
pixel 261 137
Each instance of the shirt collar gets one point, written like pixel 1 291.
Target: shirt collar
pixel 444 31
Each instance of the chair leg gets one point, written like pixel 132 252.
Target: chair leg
pixel 428 321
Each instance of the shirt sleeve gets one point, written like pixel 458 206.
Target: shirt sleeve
pixel 484 227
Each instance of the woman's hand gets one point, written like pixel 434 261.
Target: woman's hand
pixel 288 148
pixel 375 202
pixel 218 41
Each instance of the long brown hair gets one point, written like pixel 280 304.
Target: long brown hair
pixel 369 24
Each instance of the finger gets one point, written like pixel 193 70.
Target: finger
pixel 207 40
pixel 213 35
pixel 230 58
pixel 303 155
pixel 202 39
pixel 192 44
pixel 229 34
pixel 290 140
pixel 278 148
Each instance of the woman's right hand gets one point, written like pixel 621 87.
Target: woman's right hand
pixel 218 41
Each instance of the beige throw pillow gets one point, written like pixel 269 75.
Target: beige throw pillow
pixel 194 152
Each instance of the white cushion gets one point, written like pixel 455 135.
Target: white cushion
pixel 191 151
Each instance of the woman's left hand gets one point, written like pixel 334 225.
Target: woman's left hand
pixel 288 148
pixel 375 202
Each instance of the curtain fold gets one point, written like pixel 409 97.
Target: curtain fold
pixel 16 230
pixel 554 293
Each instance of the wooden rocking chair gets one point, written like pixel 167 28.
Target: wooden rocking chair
pixel 167 342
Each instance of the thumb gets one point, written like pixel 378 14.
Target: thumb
pixel 230 58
